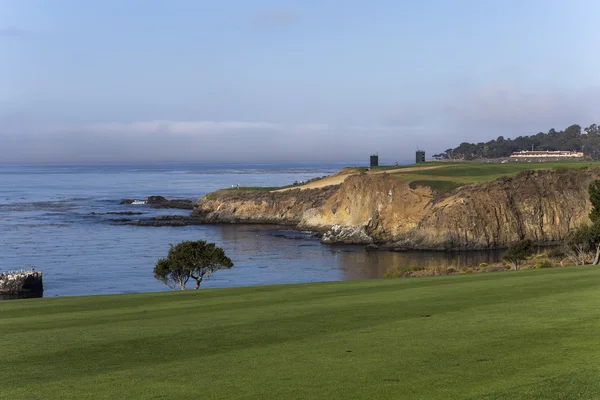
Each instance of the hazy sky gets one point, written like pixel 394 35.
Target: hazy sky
pixel 136 80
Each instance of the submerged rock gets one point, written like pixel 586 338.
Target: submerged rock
pixel 132 201
pixel 162 220
pixel 119 220
pixel 20 282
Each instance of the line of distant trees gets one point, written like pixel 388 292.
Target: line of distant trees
pixel 571 139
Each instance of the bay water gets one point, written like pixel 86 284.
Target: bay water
pixel 56 219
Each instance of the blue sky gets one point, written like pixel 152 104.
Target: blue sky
pixel 288 80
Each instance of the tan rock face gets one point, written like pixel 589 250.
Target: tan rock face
pixel 263 207
pixel 387 206
pixel 540 205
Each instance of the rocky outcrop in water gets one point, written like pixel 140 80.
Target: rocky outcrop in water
pixel 540 205
pixel 21 282
pixel 162 220
pixel 162 202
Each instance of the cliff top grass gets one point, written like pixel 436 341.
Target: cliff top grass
pixel 507 335
pixel 440 175
pixel 450 175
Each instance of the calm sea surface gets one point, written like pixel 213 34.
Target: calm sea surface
pixel 54 218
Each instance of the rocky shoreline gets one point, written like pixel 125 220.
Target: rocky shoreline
pixel 383 213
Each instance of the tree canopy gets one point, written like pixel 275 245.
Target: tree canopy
pixel 195 260
pixel 572 138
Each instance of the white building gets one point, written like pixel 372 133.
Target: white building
pixel 546 154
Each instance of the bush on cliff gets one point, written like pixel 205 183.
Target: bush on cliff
pixel 189 259
pixel 518 252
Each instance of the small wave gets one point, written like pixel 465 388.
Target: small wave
pixel 80 199
pixel 57 206
pixel 138 202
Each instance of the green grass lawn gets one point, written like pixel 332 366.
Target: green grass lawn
pixel 455 174
pixel 507 335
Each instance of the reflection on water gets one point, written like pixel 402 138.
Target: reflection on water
pixel 360 264
pixel 284 255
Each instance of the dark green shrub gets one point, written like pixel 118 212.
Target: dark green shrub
pixel 543 264
pixel 518 252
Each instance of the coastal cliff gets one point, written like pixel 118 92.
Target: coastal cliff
pixel 541 205
pixel 259 207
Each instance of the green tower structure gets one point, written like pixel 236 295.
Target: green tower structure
pixel 420 156
pixel 374 160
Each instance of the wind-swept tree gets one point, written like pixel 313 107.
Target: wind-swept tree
pixel 518 252
pixel 189 259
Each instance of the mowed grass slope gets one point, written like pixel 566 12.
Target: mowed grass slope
pixel 510 335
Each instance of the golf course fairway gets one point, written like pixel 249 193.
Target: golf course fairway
pixel 531 334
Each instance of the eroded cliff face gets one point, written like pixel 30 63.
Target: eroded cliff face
pixel 383 206
pixel 259 207
pixel 540 205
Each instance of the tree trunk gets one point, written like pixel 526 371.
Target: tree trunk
pixel 181 284
pixel 198 281
pixel 597 258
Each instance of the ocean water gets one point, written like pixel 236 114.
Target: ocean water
pixel 53 217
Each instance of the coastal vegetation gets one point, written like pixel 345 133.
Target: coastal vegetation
pixel 452 337
pixel 190 259
pixel 572 138
pixel 518 252
pixel 583 243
